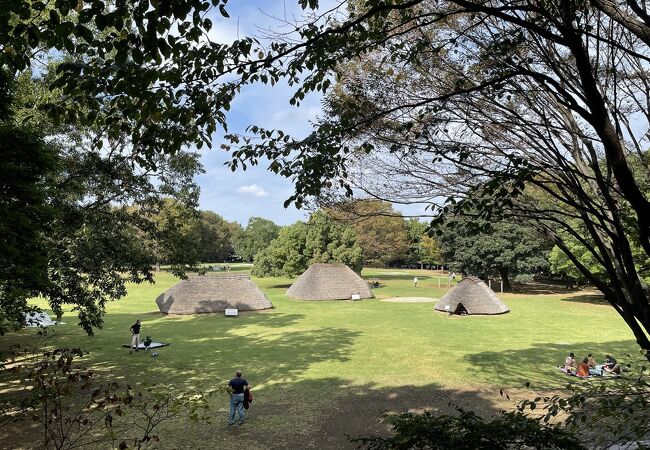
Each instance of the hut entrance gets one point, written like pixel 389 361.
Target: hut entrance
pixel 461 310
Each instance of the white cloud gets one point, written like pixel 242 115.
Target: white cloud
pixel 253 189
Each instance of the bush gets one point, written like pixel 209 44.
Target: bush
pixel 466 430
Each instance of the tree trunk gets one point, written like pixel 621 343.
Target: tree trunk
pixel 503 273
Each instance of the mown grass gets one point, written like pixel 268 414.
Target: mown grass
pixel 329 351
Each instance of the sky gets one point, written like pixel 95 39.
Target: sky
pixel 256 192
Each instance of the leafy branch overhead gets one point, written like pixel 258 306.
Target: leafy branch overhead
pixel 534 112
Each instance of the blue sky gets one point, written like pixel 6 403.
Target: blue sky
pixel 255 192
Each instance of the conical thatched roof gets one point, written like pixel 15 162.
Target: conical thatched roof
pixel 331 281
pixel 211 293
pixel 474 296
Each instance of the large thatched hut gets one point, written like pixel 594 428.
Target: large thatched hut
pixel 212 293
pixel 471 296
pixel 329 281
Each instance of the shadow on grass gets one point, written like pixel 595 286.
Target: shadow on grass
pixel 329 411
pixel 322 413
pixel 587 298
pixel 280 286
pixel 538 288
pixel 206 349
pixel 387 277
pixel 514 366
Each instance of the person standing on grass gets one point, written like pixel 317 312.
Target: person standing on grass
pixel 236 388
pixel 415 281
pixel 135 335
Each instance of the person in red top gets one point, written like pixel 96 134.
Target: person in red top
pixel 583 368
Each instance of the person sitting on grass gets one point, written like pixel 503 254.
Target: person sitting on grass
pixel 591 361
pixel 583 369
pixel 569 363
pixel 611 366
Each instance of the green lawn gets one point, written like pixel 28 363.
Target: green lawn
pixel 308 359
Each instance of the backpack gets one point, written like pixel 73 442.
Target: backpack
pixel 248 398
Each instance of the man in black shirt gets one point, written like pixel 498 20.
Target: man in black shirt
pixel 236 388
pixel 611 365
pixel 135 335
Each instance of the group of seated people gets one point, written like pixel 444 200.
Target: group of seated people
pixel 588 367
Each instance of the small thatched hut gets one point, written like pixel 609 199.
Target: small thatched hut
pixel 212 293
pixel 471 296
pixel 329 281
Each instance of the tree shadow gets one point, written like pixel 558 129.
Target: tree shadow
pixel 382 276
pixel 280 286
pixel 316 413
pixel 326 413
pixel 590 299
pixel 540 288
pixel 514 366
pixel 209 347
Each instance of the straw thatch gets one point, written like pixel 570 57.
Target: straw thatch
pixel 213 293
pixel 331 281
pixel 473 296
pixel 38 319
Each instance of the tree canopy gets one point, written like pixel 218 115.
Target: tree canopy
pixel 423 249
pixel 257 235
pixel 216 237
pixel 298 246
pixel 524 111
pixel 381 231
pixel 103 98
pixel 505 249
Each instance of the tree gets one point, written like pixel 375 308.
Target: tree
pixel 299 245
pixel 106 127
pixel 216 237
pixel 257 235
pixel 423 249
pixel 429 250
pixel 26 160
pixel 381 231
pixel 481 248
pixel 178 233
pixel 528 112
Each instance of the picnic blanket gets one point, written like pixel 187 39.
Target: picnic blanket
pixel 605 376
pixel 141 346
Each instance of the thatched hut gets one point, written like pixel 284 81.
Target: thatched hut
pixel 212 293
pixel 471 296
pixel 329 281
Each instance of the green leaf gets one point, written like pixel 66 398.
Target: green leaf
pixel 85 33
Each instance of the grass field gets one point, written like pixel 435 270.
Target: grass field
pixel 323 369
